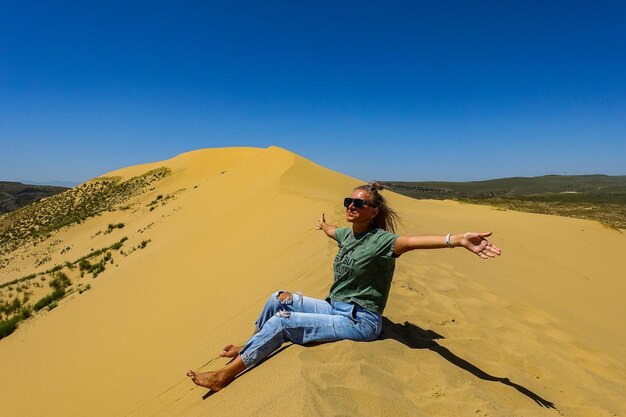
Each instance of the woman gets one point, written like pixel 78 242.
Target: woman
pixel 363 270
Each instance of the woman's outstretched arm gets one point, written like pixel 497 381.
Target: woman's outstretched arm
pixel 474 242
pixel 329 229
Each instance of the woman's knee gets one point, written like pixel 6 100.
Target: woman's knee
pixel 276 323
pixel 283 297
pixel 278 300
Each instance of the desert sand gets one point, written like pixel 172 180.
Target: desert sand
pixel 537 332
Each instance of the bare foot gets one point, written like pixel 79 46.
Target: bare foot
pixel 230 351
pixel 214 381
pixel 217 380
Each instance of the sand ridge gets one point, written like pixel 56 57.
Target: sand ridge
pixel 541 325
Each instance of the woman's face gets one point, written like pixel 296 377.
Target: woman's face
pixel 364 214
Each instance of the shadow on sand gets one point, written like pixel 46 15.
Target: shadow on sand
pixel 417 338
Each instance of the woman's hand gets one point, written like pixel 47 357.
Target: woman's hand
pixel 320 223
pixel 476 242
pixel 327 228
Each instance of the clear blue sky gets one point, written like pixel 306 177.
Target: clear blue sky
pixel 406 90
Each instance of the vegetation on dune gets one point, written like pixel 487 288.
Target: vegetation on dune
pixel 160 199
pixel 70 265
pixel 33 224
pixel 112 227
pixel 12 307
pixel 96 268
pixel 16 310
pixel 82 289
pixel 8 326
pixel 141 245
pixel 60 281
pixel 49 299
pixel 38 220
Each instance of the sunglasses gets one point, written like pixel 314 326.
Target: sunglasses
pixel 358 203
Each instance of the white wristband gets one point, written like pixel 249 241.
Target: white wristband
pixel 448 243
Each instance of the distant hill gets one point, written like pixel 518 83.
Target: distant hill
pixel 594 197
pixel 14 195
pixel 67 184
pixel 514 187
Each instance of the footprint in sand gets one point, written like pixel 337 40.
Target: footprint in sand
pixel 495 300
pixel 406 288
pixel 471 302
pixel 558 335
pixel 445 285
pixel 438 394
pixel 447 322
pixel 531 316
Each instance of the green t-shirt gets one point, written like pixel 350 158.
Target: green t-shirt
pixel 364 268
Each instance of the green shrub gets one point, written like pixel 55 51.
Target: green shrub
pixel 83 289
pixel 95 269
pixel 119 244
pixel 25 313
pixel 16 281
pixel 98 268
pixel 11 308
pixel 16 304
pixel 60 281
pixel 8 326
pixel 49 299
pixel 55 269
pixel 112 227
pixel 85 265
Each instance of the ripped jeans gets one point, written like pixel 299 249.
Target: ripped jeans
pixel 304 320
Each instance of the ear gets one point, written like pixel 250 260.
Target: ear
pixel 375 212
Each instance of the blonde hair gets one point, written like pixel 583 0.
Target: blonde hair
pixel 387 218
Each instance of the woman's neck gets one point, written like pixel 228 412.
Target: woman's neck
pixel 360 228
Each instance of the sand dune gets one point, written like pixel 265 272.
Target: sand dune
pixel 541 326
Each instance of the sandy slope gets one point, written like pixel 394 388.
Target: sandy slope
pixel 542 324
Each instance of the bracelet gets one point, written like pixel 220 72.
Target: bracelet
pixel 448 243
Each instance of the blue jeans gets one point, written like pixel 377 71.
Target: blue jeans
pixel 303 320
